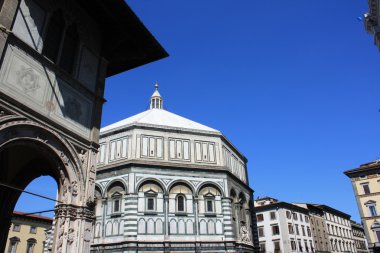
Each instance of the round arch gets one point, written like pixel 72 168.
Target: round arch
pixel 150 179
pixel 29 150
pixel 211 184
pixel 111 183
pixel 180 181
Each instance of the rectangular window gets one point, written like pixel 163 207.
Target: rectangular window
pixel 116 205
pixel 277 248
pixel 372 210
pixel 33 229
pixel 260 217
pixel 300 246
pixel 210 205
pixel 16 227
pixel 307 219
pixel 150 204
pixel 275 230
pixel 293 245
pixel 306 247
pixel 295 217
pixel 288 215
pixel 290 228
pixel 366 189
pixel 297 230
pixel 301 219
pixel 261 231
pixel 262 247
pixel 272 215
pixel 308 232
pixel 303 230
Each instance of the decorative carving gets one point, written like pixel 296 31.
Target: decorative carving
pixel 167 180
pixel 195 183
pixel 87 235
pixel 104 183
pixel 70 236
pixel 138 179
pixel 125 178
pixel 74 189
pixel 28 79
pixel 41 136
pixel 221 184
pixel 65 159
pixel 244 235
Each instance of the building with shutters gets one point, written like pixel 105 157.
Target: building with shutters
pixel 365 182
pixel 27 233
pixel 283 227
pixel 168 184
pixel 359 237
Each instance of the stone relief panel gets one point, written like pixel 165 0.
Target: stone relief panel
pixel 25 79
pixel 37 87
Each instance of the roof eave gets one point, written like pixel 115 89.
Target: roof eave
pixel 128 43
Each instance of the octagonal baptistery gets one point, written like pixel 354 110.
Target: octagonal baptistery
pixel 168 184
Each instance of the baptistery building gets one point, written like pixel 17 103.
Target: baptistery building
pixel 168 184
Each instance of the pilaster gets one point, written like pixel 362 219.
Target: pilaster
pixel 228 223
pixel 130 218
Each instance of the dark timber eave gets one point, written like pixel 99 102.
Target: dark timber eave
pixel 128 43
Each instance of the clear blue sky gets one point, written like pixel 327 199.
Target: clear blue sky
pixel 293 84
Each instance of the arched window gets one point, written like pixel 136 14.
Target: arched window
pixel 69 49
pixel 53 36
pixel 152 196
pixel 13 244
pixel 180 203
pixel 30 245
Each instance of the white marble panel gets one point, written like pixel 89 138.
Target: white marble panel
pixel 173 226
pixel 181 227
pixel 150 226
pixel 211 227
pixel 189 227
pixel 219 227
pixel 159 226
pixel 141 226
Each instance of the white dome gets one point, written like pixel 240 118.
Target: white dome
pixel 159 118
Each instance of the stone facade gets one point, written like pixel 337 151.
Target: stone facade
pixel 283 227
pixel 168 184
pixel 359 238
pixel 365 183
pixel 28 233
pixel 55 56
